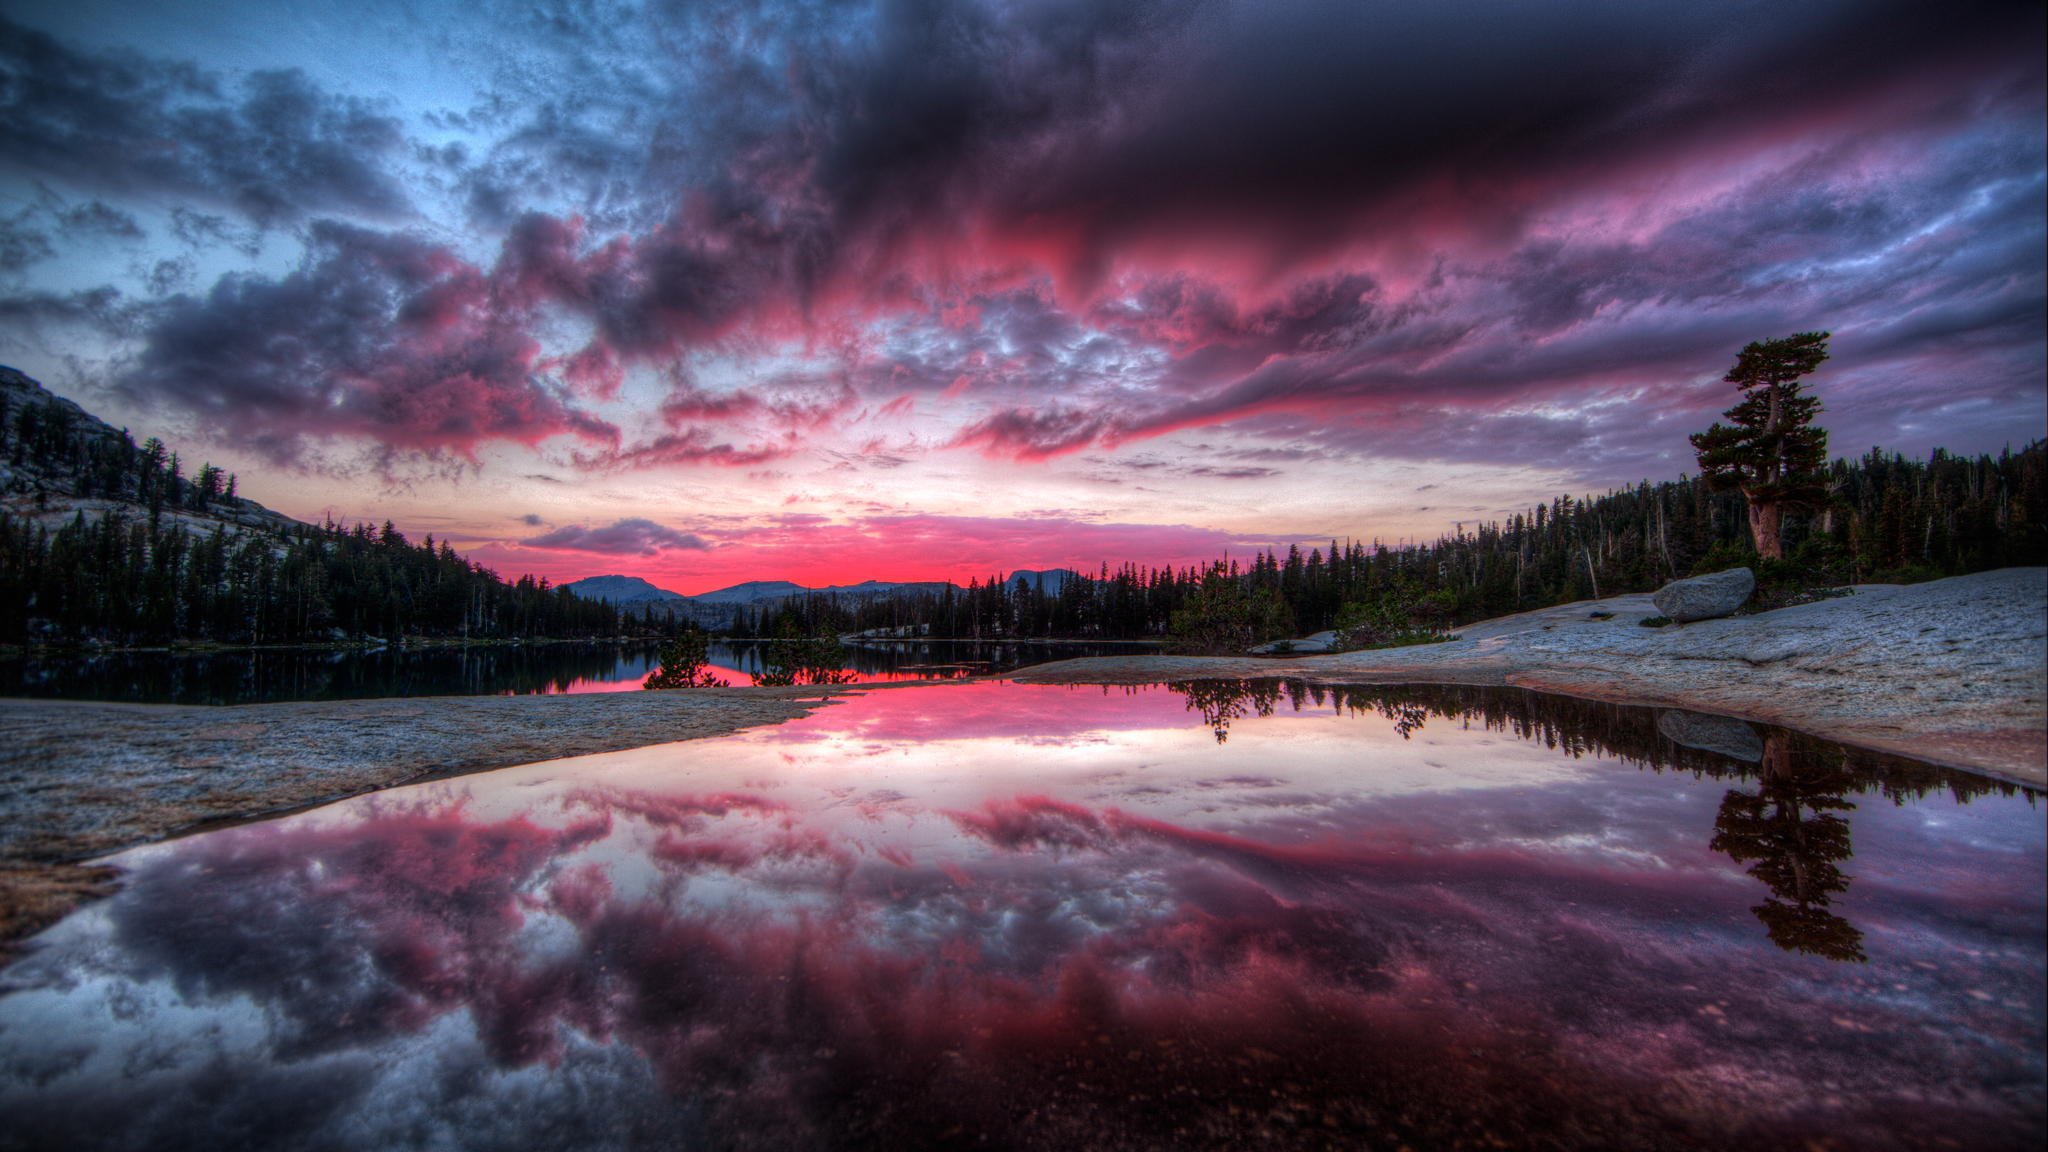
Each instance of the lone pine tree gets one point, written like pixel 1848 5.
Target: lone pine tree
pixel 1771 450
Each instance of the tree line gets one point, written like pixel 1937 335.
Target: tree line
pixel 1881 518
pixel 122 579
pixel 145 572
pixel 185 558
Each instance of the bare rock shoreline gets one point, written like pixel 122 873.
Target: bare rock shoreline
pixel 1954 671
pixel 80 779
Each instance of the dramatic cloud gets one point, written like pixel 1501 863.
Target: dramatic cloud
pixel 810 549
pixel 273 147
pixel 629 537
pixel 928 243
pixel 1034 435
pixel 376 335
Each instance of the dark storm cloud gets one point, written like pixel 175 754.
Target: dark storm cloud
pixel 98 311
pixel 629 537
pixel 1572 349
pixel 94 218
pixel 32 234
pixel 376 335
pixel 1034 435
pixel 205 229
pixel 22 243
pixel 1105 122
pixel 686 284
pixel 1096 222
pixel 272 146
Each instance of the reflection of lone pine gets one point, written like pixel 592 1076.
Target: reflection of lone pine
pixel 1771 451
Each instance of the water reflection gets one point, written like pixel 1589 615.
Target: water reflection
pixel 253 677
pixel 268 675
pixel 1790 829
pixel 1038 917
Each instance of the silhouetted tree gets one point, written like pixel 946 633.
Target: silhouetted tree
pixel 1771 450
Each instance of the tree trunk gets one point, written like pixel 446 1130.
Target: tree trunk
pixel 1764 525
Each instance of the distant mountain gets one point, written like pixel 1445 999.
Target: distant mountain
pixel 624 591
pixel 755 592
pixel 1049 581
pixel 721 608
pixel 752 592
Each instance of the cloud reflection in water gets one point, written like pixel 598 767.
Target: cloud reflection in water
pixel 1060 918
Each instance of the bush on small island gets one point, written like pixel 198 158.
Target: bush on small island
pixel 794 659
pixel 683 663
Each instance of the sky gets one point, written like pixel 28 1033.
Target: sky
pixel 711 291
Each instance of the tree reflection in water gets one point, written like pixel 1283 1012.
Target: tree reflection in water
pixel 1222 701
pixel 1788 831
pixel 1016 916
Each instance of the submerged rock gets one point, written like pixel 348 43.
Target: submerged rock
pixel 1705 597
pixel 1724 735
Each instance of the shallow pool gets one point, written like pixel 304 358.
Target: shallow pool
pixel 994 915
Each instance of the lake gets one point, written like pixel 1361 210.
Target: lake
pixel 1214 914
pixel 280 674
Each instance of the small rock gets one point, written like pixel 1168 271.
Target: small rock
pixel 1705 597
pixel 1320 642
pixel 1724 735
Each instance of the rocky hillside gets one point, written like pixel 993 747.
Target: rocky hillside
pixel 57 460
pixel 106 542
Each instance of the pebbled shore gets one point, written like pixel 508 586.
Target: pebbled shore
pixel 1953 671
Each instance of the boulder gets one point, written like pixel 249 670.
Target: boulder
pixel 1724 735
pixel 1705 597
pixel 1307 645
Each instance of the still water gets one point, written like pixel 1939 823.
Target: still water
pixel 1238 914
pixel 279 674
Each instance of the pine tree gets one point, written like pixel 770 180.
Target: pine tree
pixel 1771 452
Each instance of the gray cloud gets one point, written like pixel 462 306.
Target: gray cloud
pixel 627 537
pixel 273 147
pixel 375 335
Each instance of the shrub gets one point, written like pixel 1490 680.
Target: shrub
pixel 1723 556
pixel 683 663
pixel 1399 616
pixel 1223 616
pixel 814 659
